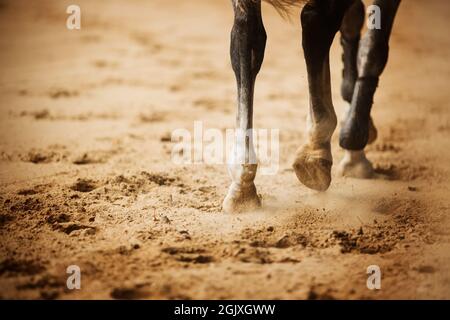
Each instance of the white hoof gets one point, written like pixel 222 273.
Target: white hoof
pixel 355 165
pixel 241 198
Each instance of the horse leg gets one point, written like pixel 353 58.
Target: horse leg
pixel 321 19
pixel 372 58
pixel 350 36
pixel 248 40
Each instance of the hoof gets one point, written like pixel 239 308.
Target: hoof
pixel 355 165
pixel 313 167
pixel 241 199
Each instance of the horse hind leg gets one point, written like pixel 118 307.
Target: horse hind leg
pixel 354 163
pixel 350 39
pixel 357 129
pixel 350 36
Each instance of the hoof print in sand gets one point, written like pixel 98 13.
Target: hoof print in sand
pixel 75 229
pixel 12 267
pixel 190 255
pixel 129 293
pixel 84 185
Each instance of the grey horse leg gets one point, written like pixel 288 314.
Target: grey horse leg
pixel 372 58
pixel 248 40
pixel 321 20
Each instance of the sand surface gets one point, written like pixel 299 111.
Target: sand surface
pixel 86 176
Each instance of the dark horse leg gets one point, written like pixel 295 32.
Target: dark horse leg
pixel 248 40
pixel 321 20
pixel 357 129
pixel 350 35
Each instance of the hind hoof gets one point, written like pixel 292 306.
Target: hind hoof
pixel 241 199
pixel 355 165
pixel 313 167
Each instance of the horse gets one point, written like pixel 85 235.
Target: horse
pixel 364 60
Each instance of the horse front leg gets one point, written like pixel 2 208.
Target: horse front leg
pixel 248 40
pixel 320 19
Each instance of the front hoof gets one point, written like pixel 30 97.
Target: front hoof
pixel 313 167
pixel 240 199
pixel 355 165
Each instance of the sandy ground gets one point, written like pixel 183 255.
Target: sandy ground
pixel 86 176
